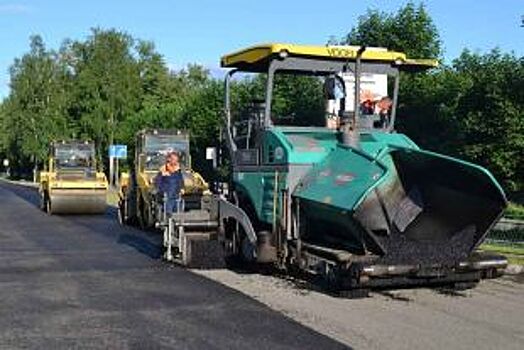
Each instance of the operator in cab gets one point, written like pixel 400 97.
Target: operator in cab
pixel 170 182
pixel 384 111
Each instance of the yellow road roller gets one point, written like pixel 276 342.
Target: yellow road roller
pixel 138 198
pixel 72 184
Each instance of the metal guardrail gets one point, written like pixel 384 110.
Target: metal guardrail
pixel 506 224
pixel 507 231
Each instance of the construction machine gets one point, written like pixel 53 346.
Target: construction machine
pixel 352 202
pixel 71 183
pixel 191 234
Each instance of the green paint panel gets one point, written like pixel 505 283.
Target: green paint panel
pixel 286 145
pixel 341 185
pixel 259 187
pixel 375 143
pixel 342 179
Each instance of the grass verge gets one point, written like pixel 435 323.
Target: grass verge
pixel 514 252
pixel 514 211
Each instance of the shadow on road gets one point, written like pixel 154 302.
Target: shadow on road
pixel 146 243
pixel 29 194
pixel 141 244
pixel 149 244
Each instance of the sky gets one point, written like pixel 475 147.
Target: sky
pixel 194 31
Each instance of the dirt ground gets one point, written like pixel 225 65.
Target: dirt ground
pixel 490 316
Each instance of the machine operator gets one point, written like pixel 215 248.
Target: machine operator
pixel 170 182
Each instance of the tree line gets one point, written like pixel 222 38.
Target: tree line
pixel 110 85
pixel 471 108
pixel 104 89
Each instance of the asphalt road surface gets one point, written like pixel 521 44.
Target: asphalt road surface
pixel 69 282
pixel 490 316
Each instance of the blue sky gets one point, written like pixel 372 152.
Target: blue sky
pixel 201 31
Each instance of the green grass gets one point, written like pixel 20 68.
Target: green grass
pixel 515 260
pixel 514 252
pixel 504 248
pixel 514 211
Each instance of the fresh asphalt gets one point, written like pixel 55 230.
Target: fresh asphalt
pixel 75 282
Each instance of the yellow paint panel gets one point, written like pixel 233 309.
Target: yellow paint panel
pixel 264 52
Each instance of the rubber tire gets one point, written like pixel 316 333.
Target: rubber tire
pixel 132 217
pixel 144 217
pixel 140 213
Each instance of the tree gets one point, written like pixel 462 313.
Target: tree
pixel 471 109
pixel 34 112
pixel 88 89
pixel 297 99
pixel 107 85
pixel 492 115
pixel 410 30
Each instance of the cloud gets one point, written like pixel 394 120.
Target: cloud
pixel 15 8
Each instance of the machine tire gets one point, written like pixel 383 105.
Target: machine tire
pixel 144 217
pixel 150 217
pixel 244 251
pixel 124 203
pixel 129 205
pixel 140 212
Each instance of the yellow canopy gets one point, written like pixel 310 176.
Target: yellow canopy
pixel 256 58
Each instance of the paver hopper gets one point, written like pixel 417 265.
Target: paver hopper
pixel 404 205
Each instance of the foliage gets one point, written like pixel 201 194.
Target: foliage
pixel 411 30
pixel 107 83
pixel 472 108
pixel 298 100
pixel 515 211
pixel 33 114
pixel 110 85
pixel 105 88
